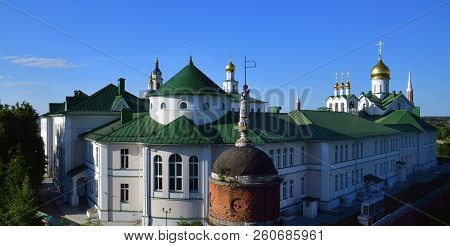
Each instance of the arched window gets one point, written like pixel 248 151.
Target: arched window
pixel 336 107
pixel 163 105
pixel 223 106
pixel 157 164
pixel 193 173
pixel 183 105
pixel 399 106
pixel 381 86
pixel 330 106
pixel 151 105
pixel 206 106
pixel 175 173
pixel 342 107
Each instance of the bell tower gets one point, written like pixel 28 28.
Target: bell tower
pixel 230 85
pixel 155 81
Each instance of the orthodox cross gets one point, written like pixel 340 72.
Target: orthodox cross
pixel 380 50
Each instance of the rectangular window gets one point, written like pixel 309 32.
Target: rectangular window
pixel 376 147
pixel 357 180
pixel 278 158
pixel 291 157
pixel 353 151
pixel 303 155
pixel 303 186
pixel 357 150
pixel 353 177
pixel 96 188
pixel 361 175
pixel 361 149
pixel 158 172
pixel 336 182
pixel 291 188
pixel 175 175
pixel 346 152
pixel 336 154
pixel 342 181
pixel 124 191
pixel 193 174
pixel 124 158
pixel 342 153
pixel 284 190
pixel 284 157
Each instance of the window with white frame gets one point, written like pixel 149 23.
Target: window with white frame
pixel 291 188
pixel 284 157
pixel 124 157
pixel 291 157
pixel 97 155
pixel 175 173
pixel 124 193
pixel 336 182
pixel 346 152
pixel 193 174
pixel 361 149
pixel 336 154
pixel 284 190
pixel 341 156
pixel 346 179
pixel 278 158
pixel 342 181
pixel 157 167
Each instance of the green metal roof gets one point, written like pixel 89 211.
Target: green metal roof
pixel 100 102
pixel 263 128
pixel 404 120
pixel 385 102
pixel 189 81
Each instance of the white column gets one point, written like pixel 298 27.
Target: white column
pixel 206 165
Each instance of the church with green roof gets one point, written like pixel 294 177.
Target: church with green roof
pixel 128 157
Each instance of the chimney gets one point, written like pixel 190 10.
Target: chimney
pixel 126 115
pixel 121 86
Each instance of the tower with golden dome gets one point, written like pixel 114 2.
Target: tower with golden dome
pixel 380 76
pixel 230 85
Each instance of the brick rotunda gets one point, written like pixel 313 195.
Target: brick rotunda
pixel 244 187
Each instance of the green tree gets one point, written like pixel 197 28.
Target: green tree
pixel 22 206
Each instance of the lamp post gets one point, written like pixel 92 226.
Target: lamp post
pixel 167 212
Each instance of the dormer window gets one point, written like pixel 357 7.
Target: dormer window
pixel 163 105
pixel 183 105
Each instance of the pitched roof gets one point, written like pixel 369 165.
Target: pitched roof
pixel 404 120
pixel 385 102
pixel 100 102
pixel 189 81
pixel 263 128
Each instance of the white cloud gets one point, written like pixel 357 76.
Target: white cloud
pixel 17 84
pixel 42 62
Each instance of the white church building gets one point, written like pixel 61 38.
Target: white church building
pixel 142 159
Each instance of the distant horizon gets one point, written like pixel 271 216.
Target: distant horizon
pixel 50 49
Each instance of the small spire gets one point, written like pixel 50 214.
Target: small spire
pixel 190 61
pixel 409 80
pixel 297 104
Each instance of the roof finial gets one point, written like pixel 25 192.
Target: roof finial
pixel 337 76
pixel 380 50
pixel 348 76
pixel 342 76
pixel 297 103
pixel 190 61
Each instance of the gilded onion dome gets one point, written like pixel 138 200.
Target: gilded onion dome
pixel 347 85
pixel 230 67
pixel 380 71
pixel 342 85
pixel 336 86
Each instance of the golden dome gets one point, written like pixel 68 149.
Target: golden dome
pixel 336 86
pixel 342 85
pixel 230 67
pixel 347 85
pixel 380 70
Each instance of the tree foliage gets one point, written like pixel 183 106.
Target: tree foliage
pixel 22 164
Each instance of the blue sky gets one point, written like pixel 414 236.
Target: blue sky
pixel 293 42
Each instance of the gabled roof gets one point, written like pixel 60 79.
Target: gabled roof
pixel 189 81
pixel 100 102
pixel 404 120
pixel 385 102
